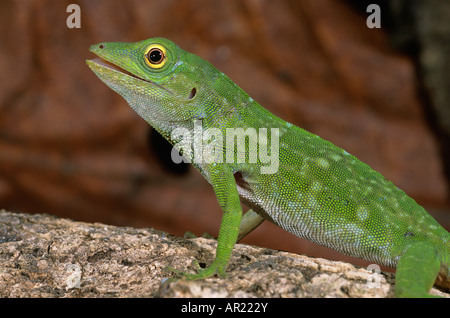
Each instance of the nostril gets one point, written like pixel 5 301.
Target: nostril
pixel 192 93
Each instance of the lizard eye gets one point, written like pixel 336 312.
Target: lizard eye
pixel 155 56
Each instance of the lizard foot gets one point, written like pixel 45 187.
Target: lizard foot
pixel 202 273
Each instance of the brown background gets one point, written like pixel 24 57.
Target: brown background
pixel 70 146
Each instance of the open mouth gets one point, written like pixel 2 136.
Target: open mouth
pixel 105 63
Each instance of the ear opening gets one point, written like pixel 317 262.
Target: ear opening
pixel 192 93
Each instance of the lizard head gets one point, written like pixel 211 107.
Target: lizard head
pixel 159 80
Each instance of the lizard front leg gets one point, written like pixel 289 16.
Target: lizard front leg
pixel 224 185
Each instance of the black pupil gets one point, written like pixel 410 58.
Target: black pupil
pixel 155 56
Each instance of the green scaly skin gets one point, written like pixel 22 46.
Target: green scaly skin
pixel 319 192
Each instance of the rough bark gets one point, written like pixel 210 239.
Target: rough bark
pixel 46 256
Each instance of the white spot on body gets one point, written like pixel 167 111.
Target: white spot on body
pixel 316 186
pixel 335 157
pixel 323 163
pixel 362 213
pixel 312 202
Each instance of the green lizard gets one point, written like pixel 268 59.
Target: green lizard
pixel 314 189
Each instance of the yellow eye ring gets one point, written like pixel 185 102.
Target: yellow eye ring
pixel 155 56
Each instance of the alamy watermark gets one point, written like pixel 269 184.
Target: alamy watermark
pixel 74 18
pixel 374 19
pixel 374 281
pixel 237 146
